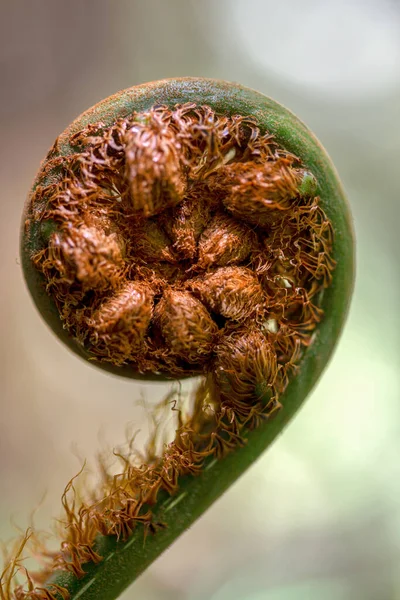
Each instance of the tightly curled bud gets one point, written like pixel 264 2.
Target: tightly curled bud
pixel 153 165
pixel 232 292
pixel 151 243
pixel 308 184
pixel 103 222
pixel 88 256
pixel 173 197
pixel 225 241
pixel 246 366
pixel 118 327
pixel 185 225
pixel 258 194
pixel 186 326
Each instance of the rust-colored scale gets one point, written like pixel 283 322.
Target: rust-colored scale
pixel 182 242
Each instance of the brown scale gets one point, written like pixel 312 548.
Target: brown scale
pixel 226 241
pixel 186 326
pixel 159 275
pixel 119 325
pixel 257 194
pixel 153 166
pixel 232 292
pixel 246 366
pixel 87 256
pixel 150 243
pixel 184 225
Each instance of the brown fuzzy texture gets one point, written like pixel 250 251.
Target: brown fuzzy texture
pixel 258 193
pixel 153 164
pixel 186 326
pixel 87 255
pixel 151 243
pixel 232 292
pixel 179 243
pixel 119 325
pixel 185 225
pixel 226 241
pixel 246 366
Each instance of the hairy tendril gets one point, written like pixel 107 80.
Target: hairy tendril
pixel 175 241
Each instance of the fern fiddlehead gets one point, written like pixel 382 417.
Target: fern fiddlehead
pixel 184 227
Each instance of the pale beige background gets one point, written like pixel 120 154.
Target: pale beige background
pixel 319 515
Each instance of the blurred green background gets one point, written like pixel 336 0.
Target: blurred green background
pixel 319 515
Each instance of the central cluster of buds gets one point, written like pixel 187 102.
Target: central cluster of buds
pixel 180 241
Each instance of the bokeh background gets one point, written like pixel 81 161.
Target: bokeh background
pixel 318 516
